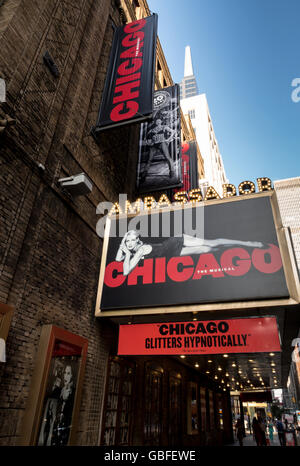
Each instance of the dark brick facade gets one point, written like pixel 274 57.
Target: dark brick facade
pixel 49 250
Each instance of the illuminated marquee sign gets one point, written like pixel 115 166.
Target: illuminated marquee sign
pixel 192 197
pixel 231 254
pixel 200 337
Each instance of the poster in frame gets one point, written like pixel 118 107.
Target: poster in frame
pixel 52 409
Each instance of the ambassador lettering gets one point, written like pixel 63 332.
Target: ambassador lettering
pixel 235 262
pixel 127 86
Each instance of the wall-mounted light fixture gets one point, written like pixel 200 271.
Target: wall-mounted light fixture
pixel 76 185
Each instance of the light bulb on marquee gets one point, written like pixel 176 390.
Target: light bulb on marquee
pixel 163 200
pixel 195 196
pixel 149 202
pixel 264 184
pixel 115 210
pixel 246 187
pixel 192 197
pixel 229 190
pixel 136 207
pixel 180 197
pixel 211 193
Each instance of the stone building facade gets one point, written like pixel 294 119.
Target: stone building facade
pixel 288 195
pixel 49 250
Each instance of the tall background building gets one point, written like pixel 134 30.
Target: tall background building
pixel 288 195
pixel 196 106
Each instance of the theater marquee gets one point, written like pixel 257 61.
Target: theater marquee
pixel 238 255
pixel 207 337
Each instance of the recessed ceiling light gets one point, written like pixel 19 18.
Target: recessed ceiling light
pixel 182 356
pixel 225 355
pixel 271 354
pixel 196 365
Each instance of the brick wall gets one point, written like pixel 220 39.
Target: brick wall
pixel 49 250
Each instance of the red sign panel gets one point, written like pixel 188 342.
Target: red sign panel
pixel 200 337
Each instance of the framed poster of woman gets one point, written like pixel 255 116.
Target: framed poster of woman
pixel 52 409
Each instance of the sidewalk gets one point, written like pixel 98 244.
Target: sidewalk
pixel 248 441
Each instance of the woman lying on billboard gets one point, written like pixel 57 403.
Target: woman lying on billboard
pixel 132 249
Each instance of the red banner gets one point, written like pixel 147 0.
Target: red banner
pixel 200 337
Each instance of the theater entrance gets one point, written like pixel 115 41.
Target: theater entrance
pixel 191 399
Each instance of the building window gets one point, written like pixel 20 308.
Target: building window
pixel 191 113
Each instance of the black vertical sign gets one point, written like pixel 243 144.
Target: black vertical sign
pixel 159 164
pixel 129 86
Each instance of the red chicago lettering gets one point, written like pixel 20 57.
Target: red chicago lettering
pixel 131 41
pixel 145 271
pixel 207 265
pixel 241 264
pixel 124 111
pixel 133 51
pixel 126 92
pixel 160 270
pixel 134 26
pixel 113 276
pixel 128 80
pixel 185 273
pixel 267 260
pixel 129 68
pixel 235 262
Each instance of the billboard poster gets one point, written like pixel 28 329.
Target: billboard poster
pixel 211 253
pixel 159 163
pixel 60 395
pixel 129 86
pixel 200 337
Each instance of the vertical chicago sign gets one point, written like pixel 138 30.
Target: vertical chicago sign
pixel 129 86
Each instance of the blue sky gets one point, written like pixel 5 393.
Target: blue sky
pixel 245 55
